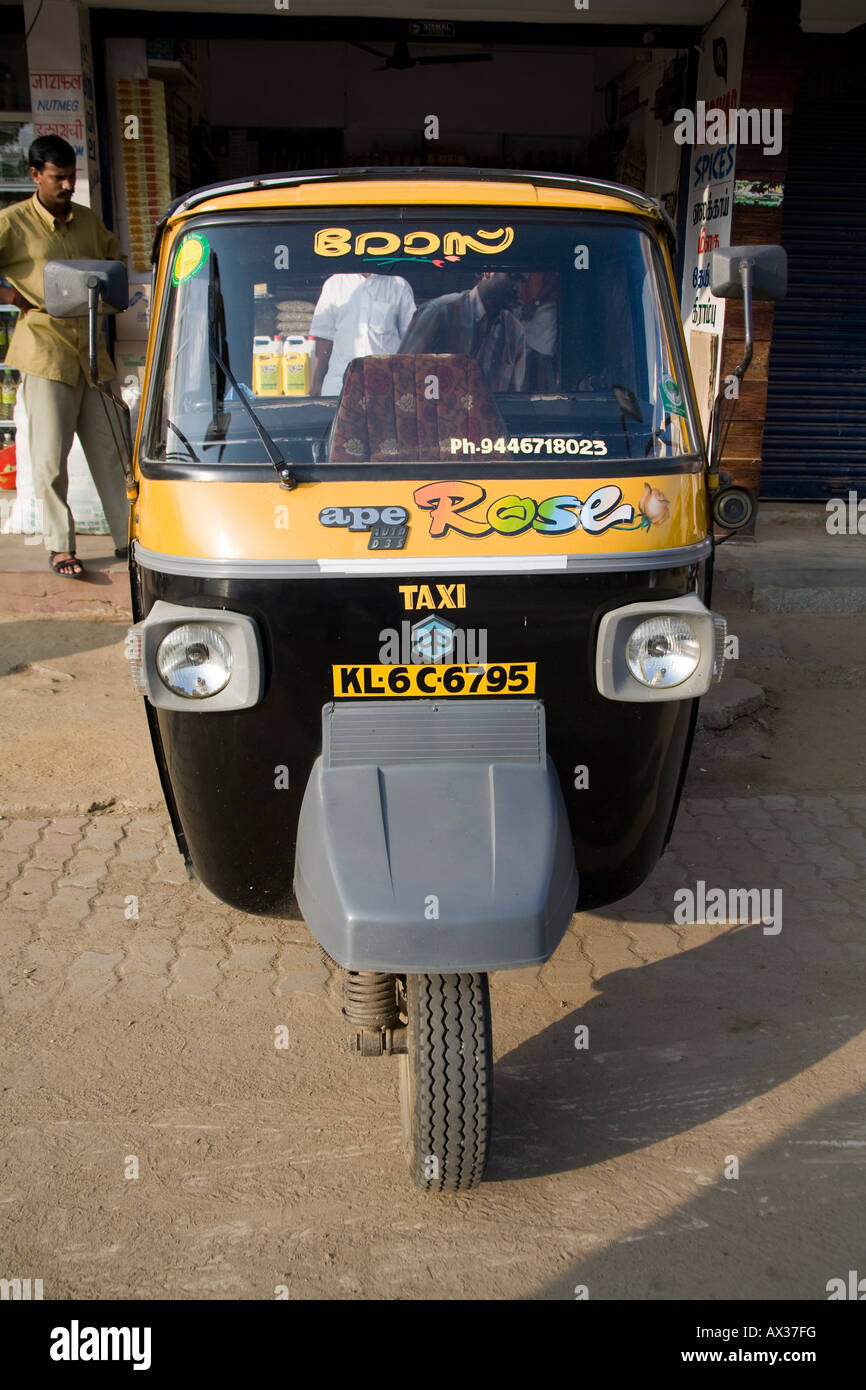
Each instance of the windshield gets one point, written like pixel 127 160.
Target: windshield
pixel 437 335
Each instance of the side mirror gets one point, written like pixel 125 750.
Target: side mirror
pixel 66 286
pixel 768 266
pixel 74 288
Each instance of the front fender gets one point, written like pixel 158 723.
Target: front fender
pixel 433 837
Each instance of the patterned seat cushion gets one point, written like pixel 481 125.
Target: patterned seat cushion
pixel 409 407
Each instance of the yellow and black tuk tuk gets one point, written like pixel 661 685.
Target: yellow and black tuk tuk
pixel 420 559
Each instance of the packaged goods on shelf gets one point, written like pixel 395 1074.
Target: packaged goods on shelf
pixel 295 372
pixel 267 365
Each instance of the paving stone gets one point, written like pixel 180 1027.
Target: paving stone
pixel 694 851
pixel 148 950
pixel 834 865
pixel 525 978
pixel 68 825
pixel 823 810
pixel 67 908
pixel 160 826
pixel 607 954
pixel 801 877
pixel 195 974
pixel 850 839
pixel 142 987
pixel 110 918
pixel 21 835
pixel 752 815
pixel 714 829
pixel 240 985
pixel 90 878
pixel 53 838
pixel 557 972
pixel 569 947
pixel 91 976
pixel 10 865
pixel 53 857
pixel 170 868
pixel 774 847
pixel 807 834
pixel 187 944
pixel 310 981
pixel 693 934
pixel 652 941
pixel 33 887
pixel 250 958
pixel 86 866
pixel 29 994
pixel 208 936
pixel 593 923
pixel 137 850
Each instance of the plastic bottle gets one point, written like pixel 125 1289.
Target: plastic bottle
pixel 8 393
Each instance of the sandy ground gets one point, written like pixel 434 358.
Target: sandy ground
pixel 260 1168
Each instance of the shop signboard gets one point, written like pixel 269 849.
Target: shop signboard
pixel 710 194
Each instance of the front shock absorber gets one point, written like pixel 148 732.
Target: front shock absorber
pixel 371 1008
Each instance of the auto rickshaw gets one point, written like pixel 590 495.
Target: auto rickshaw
pixel 421 555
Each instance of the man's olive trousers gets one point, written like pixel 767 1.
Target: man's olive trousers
pixel 55 413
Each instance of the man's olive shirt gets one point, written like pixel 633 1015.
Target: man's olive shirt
pixel 29 236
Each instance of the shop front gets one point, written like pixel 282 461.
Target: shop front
pixel 159 102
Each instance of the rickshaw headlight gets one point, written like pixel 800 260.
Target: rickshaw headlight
pixel 194 661
pixel 664 649
pixel 663 652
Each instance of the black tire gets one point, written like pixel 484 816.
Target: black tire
pixel 446 1081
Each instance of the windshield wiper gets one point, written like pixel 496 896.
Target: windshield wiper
pixel 183 439
pixel 286 476
pixel 284 472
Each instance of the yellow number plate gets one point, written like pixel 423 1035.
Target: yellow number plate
pixel 496 678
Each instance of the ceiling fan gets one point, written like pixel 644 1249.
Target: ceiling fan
pixel 402 60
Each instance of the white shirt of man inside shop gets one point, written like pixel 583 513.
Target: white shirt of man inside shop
pixel 357 316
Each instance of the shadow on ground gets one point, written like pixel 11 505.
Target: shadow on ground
pixel 748 1237
pixel 25 641
pixel 671 1046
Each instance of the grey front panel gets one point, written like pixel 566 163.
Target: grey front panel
pixel 433 837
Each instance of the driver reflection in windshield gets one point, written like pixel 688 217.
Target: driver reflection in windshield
pixel 477 323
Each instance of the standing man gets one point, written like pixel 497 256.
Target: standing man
pixel 52 354
pixel 357 316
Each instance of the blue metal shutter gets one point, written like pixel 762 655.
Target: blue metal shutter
pixel 815 430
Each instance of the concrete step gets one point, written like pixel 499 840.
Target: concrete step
pixel 793 565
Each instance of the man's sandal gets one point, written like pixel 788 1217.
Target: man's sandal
pixel 70 568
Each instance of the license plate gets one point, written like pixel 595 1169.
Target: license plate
pixel 418 682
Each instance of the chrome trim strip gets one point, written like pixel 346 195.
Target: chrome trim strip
pixel 196 568
pixel 444 564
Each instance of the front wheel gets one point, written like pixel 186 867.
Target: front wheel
pixel 446 1080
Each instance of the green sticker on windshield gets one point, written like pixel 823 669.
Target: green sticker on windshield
pixel 191 256
pixel 672 396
